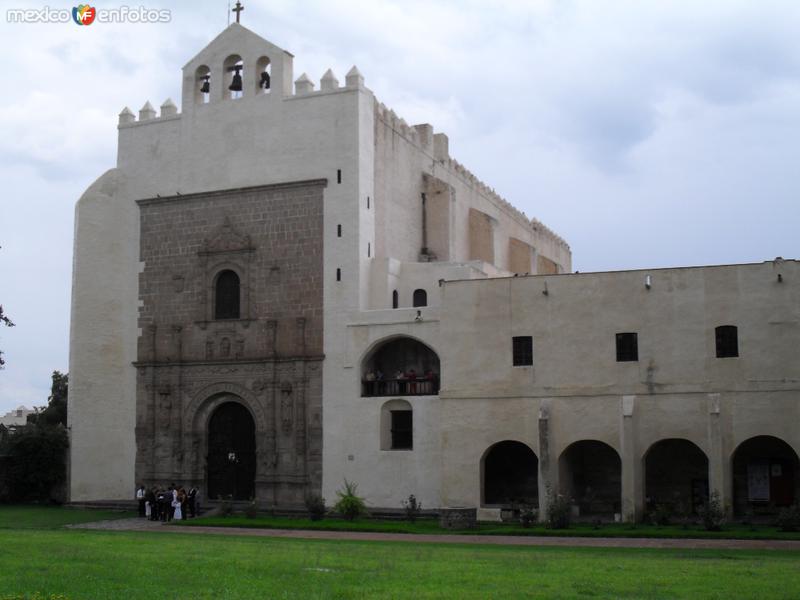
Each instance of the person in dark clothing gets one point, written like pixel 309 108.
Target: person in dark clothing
pixel 193 502
pixel 150 498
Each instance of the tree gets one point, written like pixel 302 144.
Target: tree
pixel 8 323
pixel 35 455
pixel 56 410
pixel 36 470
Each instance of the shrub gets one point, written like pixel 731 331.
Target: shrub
pixel 558 510
pixel 251 510
pixel 315 505
pixel 412 508
pixel 712 514
pixel 528 515
pixel 662 514
pixel 349 505
pixel 789 518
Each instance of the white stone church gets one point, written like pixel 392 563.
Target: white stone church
pixel 283 285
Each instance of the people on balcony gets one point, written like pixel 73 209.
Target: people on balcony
pixel 403 383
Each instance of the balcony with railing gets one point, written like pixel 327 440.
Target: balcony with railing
pixel 400 367
pixel 400 387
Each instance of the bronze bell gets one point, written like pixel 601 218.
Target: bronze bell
pixel 264 83
pixel 206 87
pixel 236 84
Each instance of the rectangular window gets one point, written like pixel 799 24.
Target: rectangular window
pixel 369 249
pixel 627 347
pixel 727 337
pixel 367 202
pixel 338 274
pixel 338 231
pixel 523 350
pixel 339 176
pixel 402 435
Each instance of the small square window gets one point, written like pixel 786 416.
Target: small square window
pixel 727 338
pixel 523 350
pixel 627 347
pixel 402 435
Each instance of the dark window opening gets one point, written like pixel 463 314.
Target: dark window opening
pixel 727 341
pixel 367 202
pixel 338 231
pixel 338 176
pixel 227 296
pixel 402 434
pixel 338 274
pixel 523 350
pixel 420 298
pixel 627 347
pixel 395 299
pixel 369 249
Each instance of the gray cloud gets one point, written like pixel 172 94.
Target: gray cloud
pixel 648 134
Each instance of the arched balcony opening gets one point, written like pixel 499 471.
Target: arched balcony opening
pixel 400 367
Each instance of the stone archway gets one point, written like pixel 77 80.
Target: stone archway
pixel 765 476
pixel 675 475
pixel 231 458
pixel 590 475
pixel 510 475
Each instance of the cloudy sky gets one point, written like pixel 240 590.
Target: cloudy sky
pixel 648 134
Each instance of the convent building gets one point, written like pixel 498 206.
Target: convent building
pixel 281 286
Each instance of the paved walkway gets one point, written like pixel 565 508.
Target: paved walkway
pixel 504 540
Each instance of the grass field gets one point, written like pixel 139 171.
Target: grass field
pixel 82 564
pixel 731 531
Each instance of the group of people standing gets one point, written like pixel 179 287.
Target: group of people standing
pixel 169 503
pixel 403 382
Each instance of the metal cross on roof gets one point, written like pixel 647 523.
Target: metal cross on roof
pixel 237 9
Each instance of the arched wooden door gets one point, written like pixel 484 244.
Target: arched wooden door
pixel 231 453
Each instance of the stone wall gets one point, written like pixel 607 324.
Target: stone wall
pixel 269 359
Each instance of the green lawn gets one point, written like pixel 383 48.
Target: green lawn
pixel 91 564
pixel 39 561
pixel 51 517
pixel 732 531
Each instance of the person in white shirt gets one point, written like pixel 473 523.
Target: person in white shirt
pixel 140 499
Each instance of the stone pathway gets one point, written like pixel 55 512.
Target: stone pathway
pixel 132 524
pixel 505 540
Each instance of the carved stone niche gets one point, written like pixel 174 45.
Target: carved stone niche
pixel 226 250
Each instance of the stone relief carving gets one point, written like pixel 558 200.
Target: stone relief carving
pixel 287 407
pixel 227 239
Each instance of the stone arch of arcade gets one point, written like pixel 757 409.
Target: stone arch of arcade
pixel 766 475
pixel 675 475
pixel 590 475
pixel 509 475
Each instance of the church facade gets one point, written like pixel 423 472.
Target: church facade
pixel 280 287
